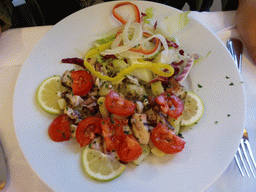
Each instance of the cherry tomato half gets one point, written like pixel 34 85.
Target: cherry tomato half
pixel 165 140
pixel 86 130
pixel 59 129
pixel 82 82
pixel 119 105
pixel 166 101
pixel 113 132
pixel 129 149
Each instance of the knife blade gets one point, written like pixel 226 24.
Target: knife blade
pixel 3 168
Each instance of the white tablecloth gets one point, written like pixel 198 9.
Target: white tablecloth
pixel 15 46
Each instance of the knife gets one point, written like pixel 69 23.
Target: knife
pixel 3 168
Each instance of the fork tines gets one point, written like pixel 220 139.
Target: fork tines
pixel 244 158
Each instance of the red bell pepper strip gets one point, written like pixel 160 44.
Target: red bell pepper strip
pixel 141 49
pixel 120 18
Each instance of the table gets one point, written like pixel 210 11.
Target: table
pixel 15 46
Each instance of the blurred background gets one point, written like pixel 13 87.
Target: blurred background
pixel 43 12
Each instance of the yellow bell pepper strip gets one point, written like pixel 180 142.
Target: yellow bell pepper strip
pixel 99 49
pixel 154 67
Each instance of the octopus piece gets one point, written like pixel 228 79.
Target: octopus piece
pixel 75 100
pixel 66 79
pixel 97 144
pixel 73 114
pixel 90 102
pixel 140 128
pixel 73 130
pixel 176 88
pixel 139 107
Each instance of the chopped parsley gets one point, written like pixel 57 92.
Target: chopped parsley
pixel 63 134
pixel 199 86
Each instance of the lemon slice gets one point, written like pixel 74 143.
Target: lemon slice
pixel 49 93
pixel 101 167
pixel 193 109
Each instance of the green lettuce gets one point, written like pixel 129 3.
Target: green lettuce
pixel 149 15
pixel 171 25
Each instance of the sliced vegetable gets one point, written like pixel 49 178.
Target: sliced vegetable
pixel 157 88
pixel 172 24
pixel 141 48
pixel 148 15
pixel 182 76
pixel 154 67
pixel 120 18
pixel 137 91
pixel 157 152
pixel 129 149
pixel 145 153
pixel 102 107
pixel 175 123
pixel 87 129
pixel 75 60
pixel 82 82
pixel 59 129
pixel 118 105
pixel 143 74
pixel 113 132
pixel 166 141
pixel 98 50
pixel 166 101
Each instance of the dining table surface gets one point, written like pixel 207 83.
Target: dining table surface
pixel 16 45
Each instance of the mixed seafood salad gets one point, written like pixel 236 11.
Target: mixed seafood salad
pixel 127 92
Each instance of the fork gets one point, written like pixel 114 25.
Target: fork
pixel 235 47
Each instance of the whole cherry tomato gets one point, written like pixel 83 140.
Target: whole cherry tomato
pixel 165 140
pixel 59 129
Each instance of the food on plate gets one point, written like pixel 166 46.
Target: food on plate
pixel 126 99
pixel 100 166
pixel 194 109
pixel 49 94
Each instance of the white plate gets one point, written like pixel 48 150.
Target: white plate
pixel 210 145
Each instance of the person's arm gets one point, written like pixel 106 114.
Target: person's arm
pixel 246 25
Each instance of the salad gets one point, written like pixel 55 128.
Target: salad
pixel 126 99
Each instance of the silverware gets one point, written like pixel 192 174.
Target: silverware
pixel 235 47
pixel 3 168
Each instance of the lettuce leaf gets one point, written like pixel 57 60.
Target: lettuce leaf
pixel 172 24
pixel 106 40
pixel 149 15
